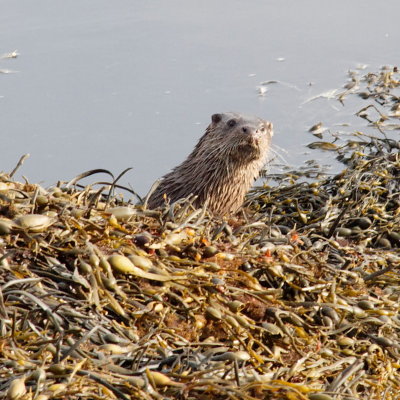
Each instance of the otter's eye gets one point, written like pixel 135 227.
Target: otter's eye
pixel 262 129
pixel 231 123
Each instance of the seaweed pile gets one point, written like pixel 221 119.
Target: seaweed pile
pixel 296 297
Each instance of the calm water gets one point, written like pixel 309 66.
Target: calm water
pixel 120 84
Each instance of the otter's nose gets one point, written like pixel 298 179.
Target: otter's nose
pixel 250 130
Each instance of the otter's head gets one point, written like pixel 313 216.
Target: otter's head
pixel 244 138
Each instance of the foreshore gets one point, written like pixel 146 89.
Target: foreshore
pixel 294 297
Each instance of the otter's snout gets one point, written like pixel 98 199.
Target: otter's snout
pixel 253 130
pixel 258 131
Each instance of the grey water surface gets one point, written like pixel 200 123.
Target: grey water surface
pixel 129 83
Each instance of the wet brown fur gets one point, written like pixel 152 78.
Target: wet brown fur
pixel 222 167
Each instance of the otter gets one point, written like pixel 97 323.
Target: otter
pixel 222 167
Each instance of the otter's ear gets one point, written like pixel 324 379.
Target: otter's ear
pixel 270 128
pixel 216 118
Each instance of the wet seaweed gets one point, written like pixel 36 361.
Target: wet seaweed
pixel 296 297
